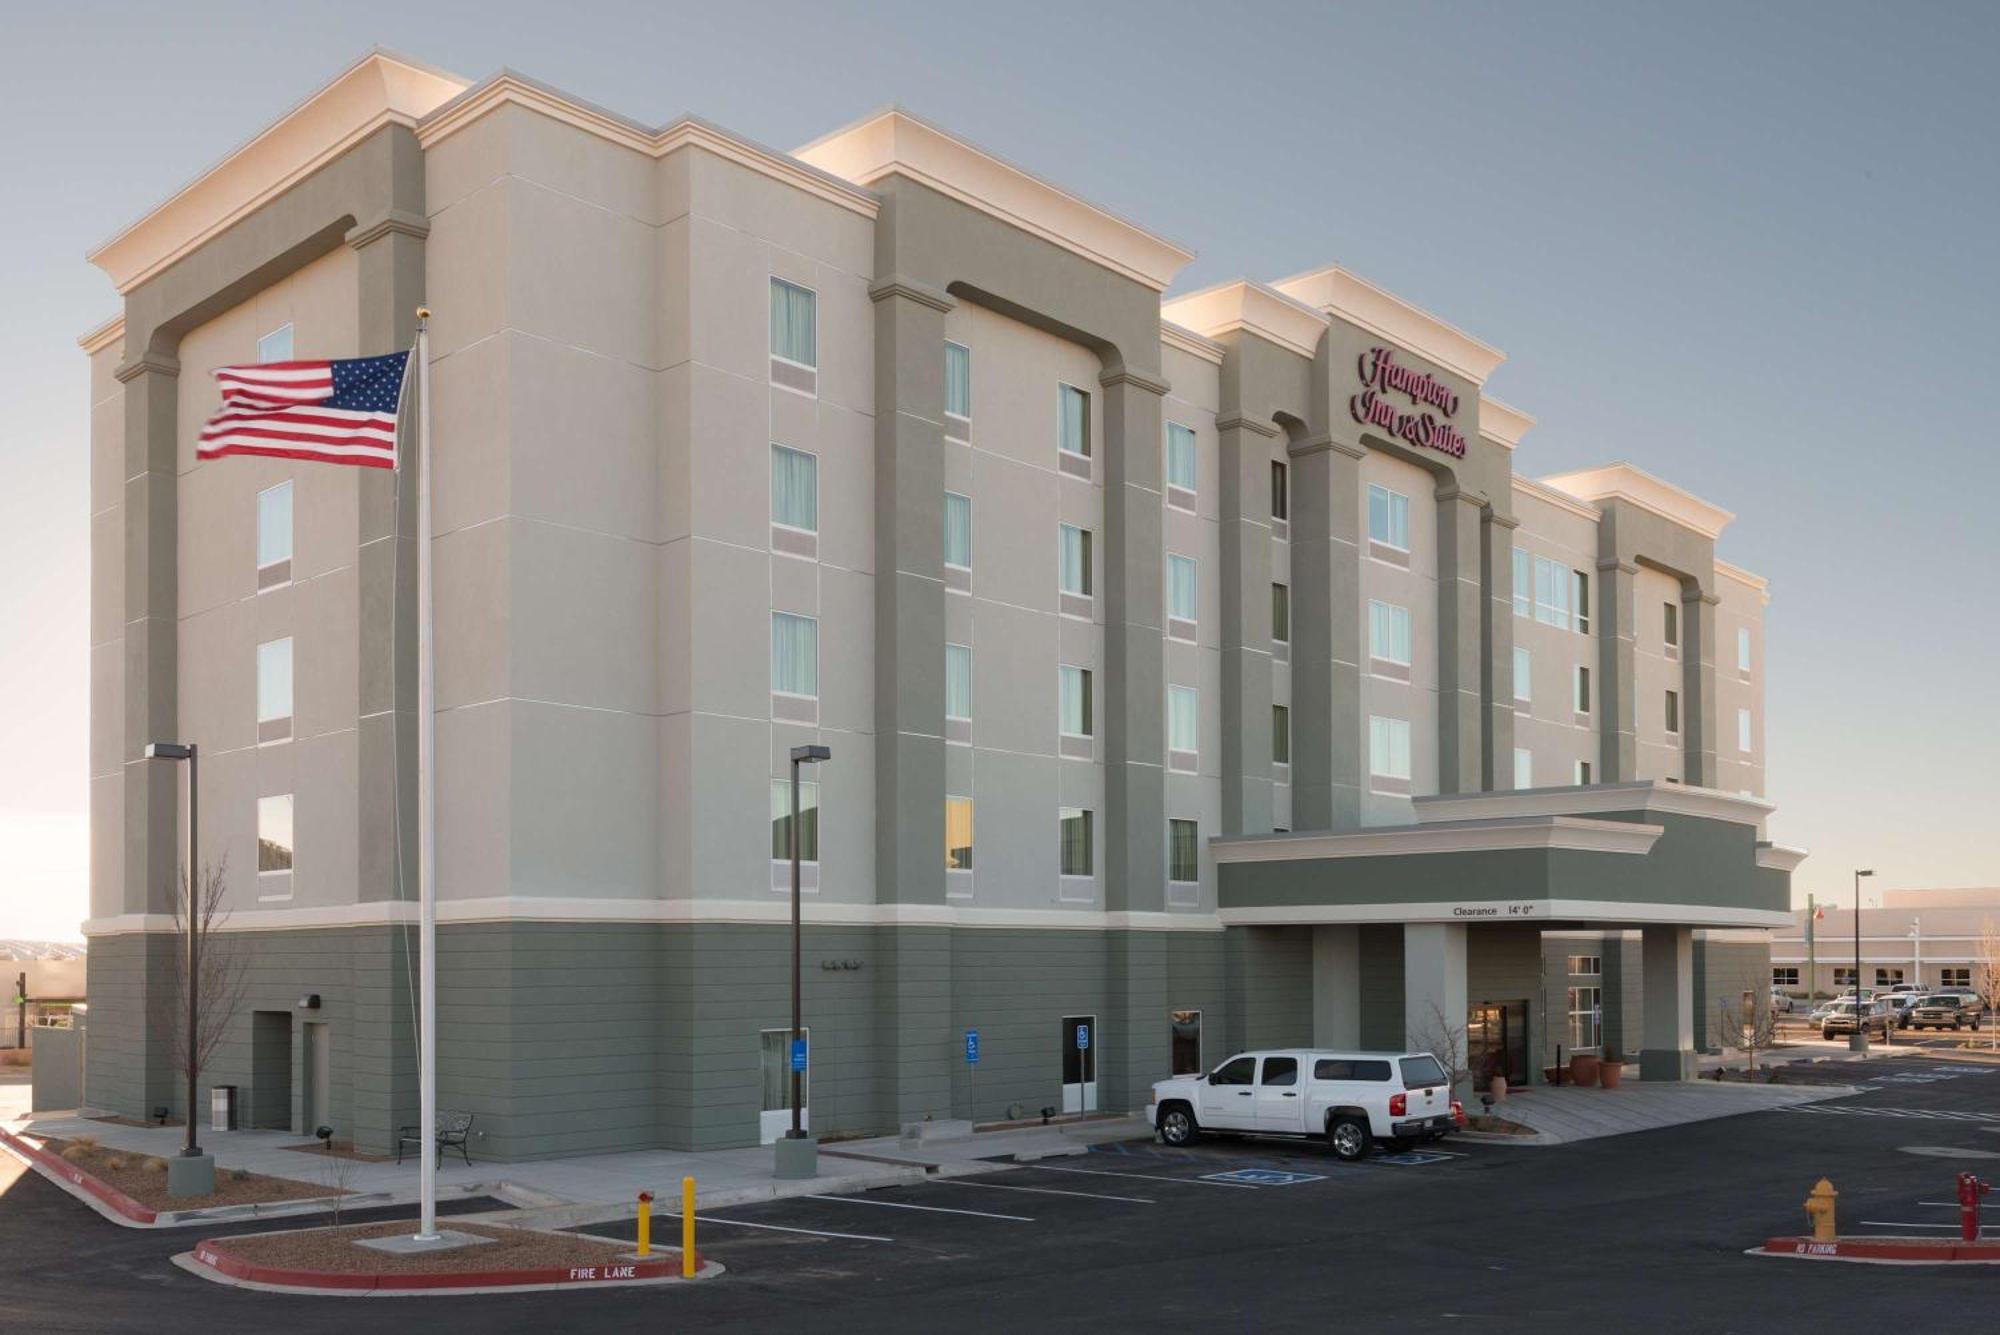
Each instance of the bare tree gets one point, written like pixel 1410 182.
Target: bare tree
pixel 1754 1027
pixel 1986 978
pixel 1436 1034
pixel 224 974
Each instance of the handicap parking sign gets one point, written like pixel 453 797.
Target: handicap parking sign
pixel 798 1054
pixel 1264 1177
pixel 971 1047
pixel 1082 1037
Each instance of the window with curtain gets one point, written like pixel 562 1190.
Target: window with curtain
pixel 1524 583
pixel 1583 773
pixel 958 681
pixel 1074 431
pixel 274 680
pixel 781 820
pixel 1742 648
pixel 1670 625
pixel 1281 613
pixel 1183 850
pixel 958 834
pixel 1743 731
pixel 958 380
pixel 1582 689
pixel 794 488
pixel 274 525
pixel 1389 747
pixel 958 530
pixel 1182 584
pixel 1281 734
pixel 1388 517
pixel 1183 718
pixel 1524 768
pixel 1073 550
pixel 1073 687
pixel 794 654
pixel 274 833
pixel 1524 675
pixel 1554 582
pixel 1180 456
pixel 1582 602
pixel 793 317
pixel 1075 841
pixel 276 346
pixel 1281 501
pixel 1673 711
pixel 1389 632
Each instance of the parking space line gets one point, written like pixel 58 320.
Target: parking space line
pixel 1148 1177
pixel 780 1228
pixel 929 1209
pixel 1903 1223
pixel 1046 1191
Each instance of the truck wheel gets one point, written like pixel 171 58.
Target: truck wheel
pixel 1177 1127
pixel 1348 1138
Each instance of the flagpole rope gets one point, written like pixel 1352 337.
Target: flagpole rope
pixel 395 700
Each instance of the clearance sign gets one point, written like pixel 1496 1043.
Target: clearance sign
pixel 1387 384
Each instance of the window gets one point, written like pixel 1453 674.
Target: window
pixel 1582 689
pixel 1073 430
pixel 1743 731
pixel 1281 735
pixel 1076 844
pixel 1073 685
pixel 276 346
pixel 1585 1018
pixel 1585 966
pixel 274 834
pixel 1389 748
pixel 1583 773
pixel 1842 977
pixel 274 690
pixel 1183 719
pixel 1281 613
pixel 1670 625
pixel 1389 632
pixel 1784 975
pixel 1583 602
pixel 793 317
pixel 794 488
pixel 1553 581
pixel 1954 976
pixel 1182 588
pixel 1349 1068
pixel 1281 1071
pixel 1186 1041
pixel 958 834
pixel 958 681
pixel 1524 583
pixel 1887 977
pixel 1235 1071
pixel 1742 648
pixel 794 654
pixel 958 530
pixel 1281 501
pixel 1183 850
pixel 1073 551
pixel 1524 675
pixel 781 820
pixel 774 1066
pixel 1180 460
pixel 958 380
pixel 1524 768
pixel 1388 517
pixel 274 536
pixel 1673 711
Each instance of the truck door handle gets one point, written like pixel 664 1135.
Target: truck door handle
pixel 1290 1095
pixel 1243 1094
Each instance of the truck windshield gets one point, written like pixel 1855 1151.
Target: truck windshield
pixel 1421 1071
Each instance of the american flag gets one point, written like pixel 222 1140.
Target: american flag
pixel 335 412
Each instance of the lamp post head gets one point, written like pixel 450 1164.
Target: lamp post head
pixel 1865 872
pixel 807 755
pixel 168 751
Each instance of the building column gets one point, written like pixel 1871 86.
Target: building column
pixel 1699 726
pixel 1245 459
pixel 1497 651
pixel 1336 978
pixel 1433 982
pixel 1617 673
pixel 1461 618
pixel 1667 965
pixel 1326 634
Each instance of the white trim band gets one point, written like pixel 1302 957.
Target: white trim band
pixel 1505 911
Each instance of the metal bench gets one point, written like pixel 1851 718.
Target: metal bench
pixel 453 1129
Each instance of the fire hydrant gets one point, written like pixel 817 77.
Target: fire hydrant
pixel 1970 1189
pixel 1819 1210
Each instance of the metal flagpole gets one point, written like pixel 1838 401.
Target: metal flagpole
pixel 426 803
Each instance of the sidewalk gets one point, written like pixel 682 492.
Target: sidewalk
pixel 1561 1115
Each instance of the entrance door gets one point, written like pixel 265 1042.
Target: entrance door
pixel 1079 1063
pixel 775 1064
pixel 1496 1043
pixel 318 1103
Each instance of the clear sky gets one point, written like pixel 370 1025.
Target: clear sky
pixel 1750 248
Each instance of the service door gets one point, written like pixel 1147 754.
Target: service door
pixel 1079 1063
pixel 774 1118
pixel 319 1079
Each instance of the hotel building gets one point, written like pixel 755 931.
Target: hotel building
pixel 1198 671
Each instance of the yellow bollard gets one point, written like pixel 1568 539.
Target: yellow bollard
pixel 687 1228
pixel 645 1223
pixel 1819 1210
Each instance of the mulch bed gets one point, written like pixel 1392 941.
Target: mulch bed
pixel 333 1251
pixel 143 1177
pixel 1497 1126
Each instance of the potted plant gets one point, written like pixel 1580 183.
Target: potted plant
pixel 1610 1069
pixel 1583 1069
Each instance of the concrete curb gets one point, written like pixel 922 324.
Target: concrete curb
pixel 1884 1251
pixel 211 1259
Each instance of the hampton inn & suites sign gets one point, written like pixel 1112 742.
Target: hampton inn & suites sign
pixel 1385 386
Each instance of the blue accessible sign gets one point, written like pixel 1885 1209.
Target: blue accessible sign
pixel 798 1054
pixel 1082 1037
pixel 972 1047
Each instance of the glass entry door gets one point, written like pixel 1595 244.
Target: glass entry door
pixel 1079 1063
pixel 1496 1043
pixel 774 1064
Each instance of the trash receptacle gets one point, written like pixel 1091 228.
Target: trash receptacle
pixel 222 1108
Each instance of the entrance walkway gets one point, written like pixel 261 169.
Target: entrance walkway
pixel 1560 1115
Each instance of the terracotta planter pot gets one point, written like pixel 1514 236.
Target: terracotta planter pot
pixel 1610 1073
pixel 1497 1087
pixel 1551 1075
pixel 1583 1070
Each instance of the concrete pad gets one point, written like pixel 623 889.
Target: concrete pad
pixel 1563 1114
pixel 409 1244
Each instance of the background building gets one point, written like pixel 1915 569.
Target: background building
pixel 1934 938
pixel 1197 675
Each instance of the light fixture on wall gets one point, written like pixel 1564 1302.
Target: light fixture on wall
pixel 309 1002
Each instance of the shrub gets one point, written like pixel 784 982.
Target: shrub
pixel 75 1153
pixel 117 1163
pixel 157 1167
pixel 236 1174
pixel 84 1142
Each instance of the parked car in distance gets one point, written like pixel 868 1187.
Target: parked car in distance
pixel 1352 1098
pixel 1900 1005
pixel 1841 1019
pixel 1782 1002
pixel 1945 1010
pixel 1907 987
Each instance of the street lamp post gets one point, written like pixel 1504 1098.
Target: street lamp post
pixel 190 1179
pixel 1917 953
pixel 1858 1041
pixel 797 1153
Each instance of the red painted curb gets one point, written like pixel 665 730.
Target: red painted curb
pixel 1886 1249
pixel 104 1191
pixel 215 1255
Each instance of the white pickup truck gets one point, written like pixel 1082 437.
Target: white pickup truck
pixel 1351 1098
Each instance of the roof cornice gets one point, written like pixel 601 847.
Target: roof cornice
pixel 1562 500
pixel 1635 486
pixel 1645 795
pixel 1502 423
pixel 1195 345
pixel 102 337
pixel 377 90
pixel 1243 306
pixel 1537 830
pixel 1359 302
pixel 893 142
pixel 1744 577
